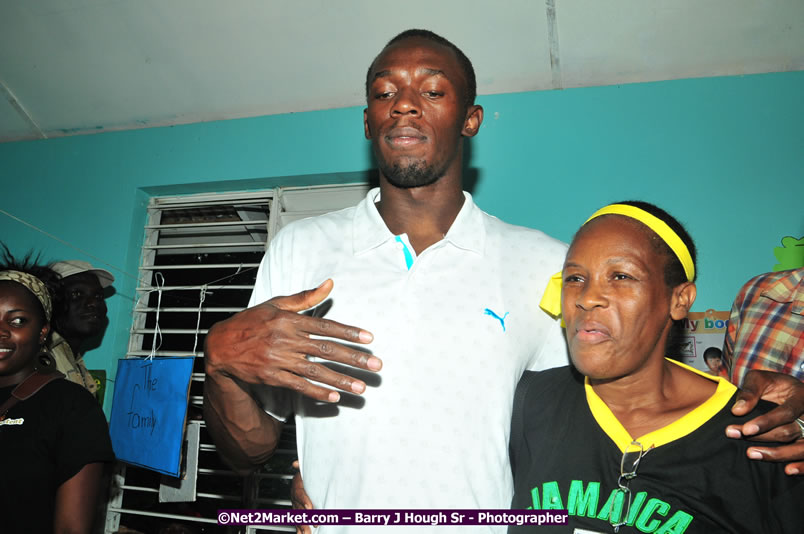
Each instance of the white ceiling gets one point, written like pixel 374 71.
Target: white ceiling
pixel 71 67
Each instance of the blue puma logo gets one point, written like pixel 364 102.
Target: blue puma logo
pixel 501 319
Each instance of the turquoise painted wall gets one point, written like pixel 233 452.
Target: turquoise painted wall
pixel 725 155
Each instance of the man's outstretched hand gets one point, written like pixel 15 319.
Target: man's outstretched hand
pixel 778 424
pixel 269 344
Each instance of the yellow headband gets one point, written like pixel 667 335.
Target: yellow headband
pixel 551 301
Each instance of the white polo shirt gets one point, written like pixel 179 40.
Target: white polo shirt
pixel 455 328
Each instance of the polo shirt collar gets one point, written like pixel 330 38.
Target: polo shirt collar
pixel 468 231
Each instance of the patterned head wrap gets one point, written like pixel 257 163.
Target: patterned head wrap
pixel 34 285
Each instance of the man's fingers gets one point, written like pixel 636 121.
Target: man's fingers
pixel 300 374
pixel 770 386
pixel 304 300
pixel 299 498
pixel 794 468
pixel 321 373
pixel 775 425
pixel 335 352
pixel 779 434
pixel 772 426
pixel 786 453
pixel 308 389
pixel 328 328
pixel 315 325
pixel 272 343
pixel 310 298
pixel 749 393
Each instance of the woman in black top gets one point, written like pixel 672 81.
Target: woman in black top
pixel 628 440
pixel 53 444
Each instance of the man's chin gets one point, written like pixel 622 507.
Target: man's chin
pixel 411 176
pixel 91 329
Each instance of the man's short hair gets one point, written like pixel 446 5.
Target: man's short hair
pixel 466 65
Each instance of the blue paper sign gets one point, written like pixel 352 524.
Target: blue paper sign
pixel 149 412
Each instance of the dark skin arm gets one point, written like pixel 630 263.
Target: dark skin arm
pixel 268 345
pixel 77 500
pixel 776 425
pixel 244 434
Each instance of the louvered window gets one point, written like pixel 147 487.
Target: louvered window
pixel 206 246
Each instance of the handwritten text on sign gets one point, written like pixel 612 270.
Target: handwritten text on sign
pixel 149 411
pixel 138 419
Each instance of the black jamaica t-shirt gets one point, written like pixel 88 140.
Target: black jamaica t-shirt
pixel 700 481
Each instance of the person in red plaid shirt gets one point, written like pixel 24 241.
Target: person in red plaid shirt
pixel 766 326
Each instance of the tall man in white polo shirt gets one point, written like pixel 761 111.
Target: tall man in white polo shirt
pixel 449 293
pixel 448 296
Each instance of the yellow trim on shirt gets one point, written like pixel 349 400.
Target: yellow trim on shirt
pixel 679 428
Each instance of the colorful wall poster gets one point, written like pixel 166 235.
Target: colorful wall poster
pixel 702 331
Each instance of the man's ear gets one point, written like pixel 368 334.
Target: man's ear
pixel 472 122
pixel 682 300
pixel 366 129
